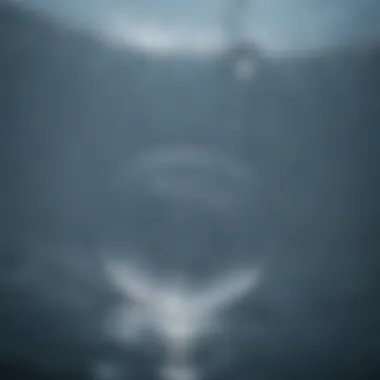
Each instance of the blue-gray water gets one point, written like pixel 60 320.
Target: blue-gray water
pixel 76 111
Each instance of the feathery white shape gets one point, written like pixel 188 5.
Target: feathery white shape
pixel 130 283
pixel 173 312
pixel 227 291
pixel 177 316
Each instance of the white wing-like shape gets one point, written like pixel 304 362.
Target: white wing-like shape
pixel 130 282
pixel 176 315
pixel 226 291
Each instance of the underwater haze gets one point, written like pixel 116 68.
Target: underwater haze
pixel 177 204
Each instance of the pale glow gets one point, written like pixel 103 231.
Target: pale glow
pixel 108 370
pixel 153 38
pixel 245 69
pixel 178 373
pixel 179 316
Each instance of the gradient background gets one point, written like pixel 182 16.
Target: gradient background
pixel 75 108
